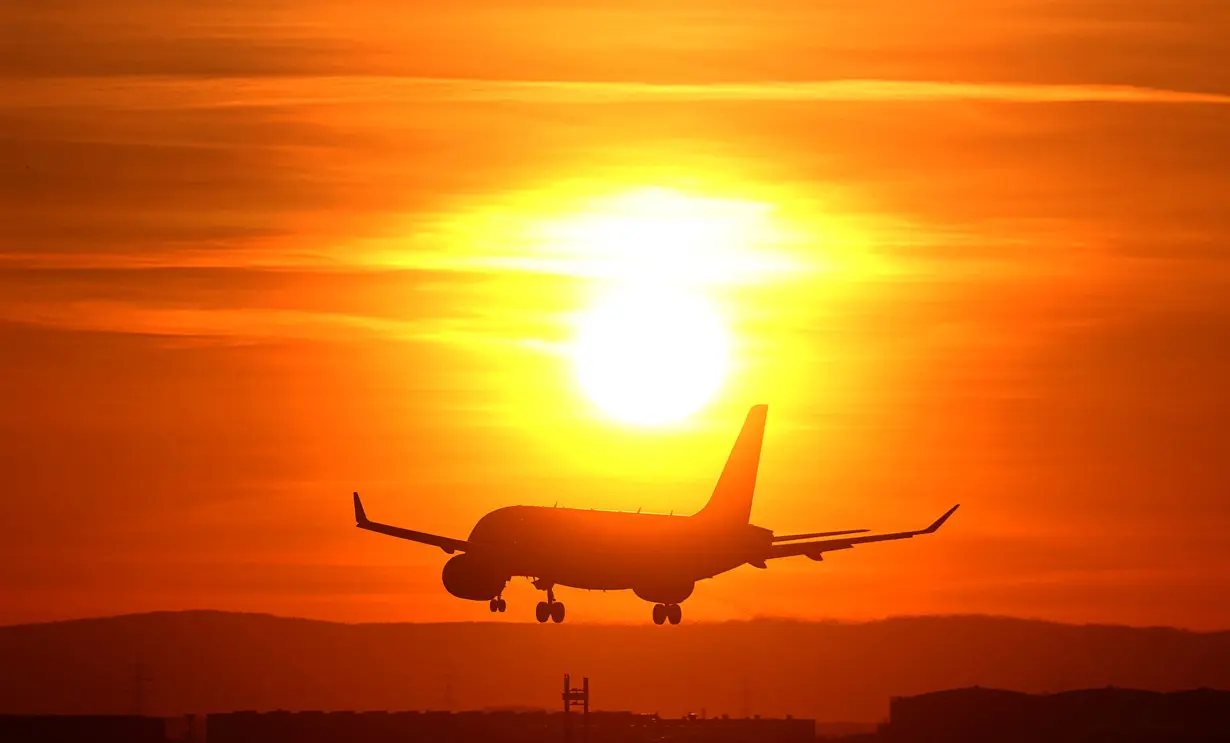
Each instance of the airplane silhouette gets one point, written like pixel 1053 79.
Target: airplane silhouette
pixel 658 557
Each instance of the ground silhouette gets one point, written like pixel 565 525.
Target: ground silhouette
pixel 214 661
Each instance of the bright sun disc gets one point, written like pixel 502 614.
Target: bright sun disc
pixel 651 356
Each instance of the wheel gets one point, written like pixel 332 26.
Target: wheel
pixel 674 613
pixel 542 612
pixel 557 612
pixel 659 613
pixel 494 605
pixel 501 605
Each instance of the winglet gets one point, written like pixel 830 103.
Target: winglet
pixel 938 522
pixel 359 516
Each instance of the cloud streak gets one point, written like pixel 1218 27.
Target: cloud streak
pixel 838 91
pixel 139 92
pixel 244 324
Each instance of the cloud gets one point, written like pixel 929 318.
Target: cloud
pixel 263 92
pixel 240 306
pixel 240 326
pixel 1172 45
pixel 113 316
pixel 820 91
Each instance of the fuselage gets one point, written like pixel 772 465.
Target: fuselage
pixel 610 550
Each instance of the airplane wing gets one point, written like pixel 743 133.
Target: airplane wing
pixel 448 544
pixel 814 549
pixel 813 535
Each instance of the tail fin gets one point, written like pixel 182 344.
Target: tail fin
pixel 731 501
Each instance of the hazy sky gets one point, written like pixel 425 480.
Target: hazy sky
pixel 255 255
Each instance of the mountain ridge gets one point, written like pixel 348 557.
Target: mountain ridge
pixel 764 619
pixel 208 660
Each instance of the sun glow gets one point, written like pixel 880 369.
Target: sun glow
pixel 644 281
pixel 651 355
pixel 654 347
pixel 661 236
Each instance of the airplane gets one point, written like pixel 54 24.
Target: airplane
pixel 658 557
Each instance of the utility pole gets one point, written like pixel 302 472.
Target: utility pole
pixel 576 698
pixel 140 678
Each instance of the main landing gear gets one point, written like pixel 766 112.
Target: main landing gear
pixel 664 612
pixel 549 609
pixel 498 604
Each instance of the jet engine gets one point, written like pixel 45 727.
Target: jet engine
pixel 468 577
pixel 665 592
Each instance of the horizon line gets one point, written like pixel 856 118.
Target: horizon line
pixel 622 624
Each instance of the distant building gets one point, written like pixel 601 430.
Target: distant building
pixel 81 729
pixel 497 727
pixel 1090 716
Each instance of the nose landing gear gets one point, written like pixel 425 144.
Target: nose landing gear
pixel 663 613
pixel 498 604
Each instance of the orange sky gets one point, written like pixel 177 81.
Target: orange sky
pixel 256 256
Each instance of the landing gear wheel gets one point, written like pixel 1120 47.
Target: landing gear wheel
pixel 494 605
pixel 659 613
pixel 542 612
pixel 501 605
pixel 557 612
pixel 674 613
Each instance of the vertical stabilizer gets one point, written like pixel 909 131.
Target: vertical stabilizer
pixel 731 501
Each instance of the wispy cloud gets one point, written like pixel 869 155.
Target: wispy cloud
pixel 162 92
pixel 854 90
pixel 242 325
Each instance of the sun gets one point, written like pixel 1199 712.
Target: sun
pixel 653 348
pixel 650 355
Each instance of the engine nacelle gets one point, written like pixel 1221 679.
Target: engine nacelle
pixel 665 592
pixel 467 577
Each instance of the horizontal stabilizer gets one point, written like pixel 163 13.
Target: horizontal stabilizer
pixel 818 534
pixel 448 544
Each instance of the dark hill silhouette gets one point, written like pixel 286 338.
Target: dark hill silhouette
pixel 213 661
